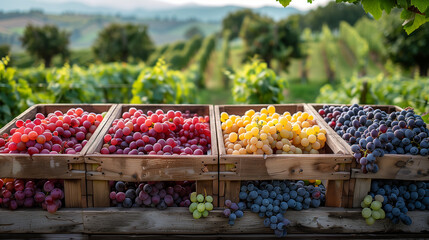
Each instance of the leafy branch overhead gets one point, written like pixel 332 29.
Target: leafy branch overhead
pixel 414 12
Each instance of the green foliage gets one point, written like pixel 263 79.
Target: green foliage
pixel 45 42
pixel 407 50
pixel 233 21
pixel 356 44
pixel 197 69
pixel 331 15
pixel 153 58
pixel 162 85
pixel 15 95
pixel 414 12
pixel 224 57
pixel 256 83
pixel 118 42
pixel 379 90
pixel 4 50
pixel 193 31
pixel 371 32
pixel 270 40
pixel 179 59
pixel 330 48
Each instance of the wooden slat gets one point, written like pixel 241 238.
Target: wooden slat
pixel 101 193
pixel 361 189
pixel 400 167
pixel 73 193
pixel 39 221
pixel 180 221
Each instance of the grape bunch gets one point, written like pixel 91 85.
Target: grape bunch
pixel 232 212
pixel 399 197
pixel 56 133
pixel 267 132
pixel 200 206
pixel 158 133
pixel 271 200
pixel 151 194
pixel 372 209
pixel 373 133
pixel 47 194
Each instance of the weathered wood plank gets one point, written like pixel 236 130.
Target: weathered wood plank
pixel 401 167
pixel 180 221
pixel 39 221
pixel 362 187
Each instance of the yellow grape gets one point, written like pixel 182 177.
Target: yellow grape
pixel 305 142
pixel 312 138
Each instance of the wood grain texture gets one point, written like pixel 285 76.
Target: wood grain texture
pixel 172 221
pixel 361 188
pixel 49 165
pixel 39 221
pixel 180 221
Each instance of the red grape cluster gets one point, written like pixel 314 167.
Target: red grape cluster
pixel 57 133
pixel 158 133
pixel 151 194
pixel 31 193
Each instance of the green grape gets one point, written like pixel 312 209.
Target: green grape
pixel 379 198
pixel 192 207
pixel 363 205
pixel 201 207
pixel 200 198
pixel 193 197
pixel 376 215
pixel 370 221
pixel 209 206
pixel 366 212
pixel 367 200
pixel 196 214
pixel 209 199
pixel 205 213
pixel 376 205
pixel 382 213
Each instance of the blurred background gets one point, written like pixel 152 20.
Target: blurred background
pixel 209 52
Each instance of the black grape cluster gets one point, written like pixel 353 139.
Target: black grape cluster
pixel 271 200
pixel 232 211
pixel 151 194
pixel 401 197
pixel 373 133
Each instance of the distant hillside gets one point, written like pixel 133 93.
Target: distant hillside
pixel 165 25
pixel 151 9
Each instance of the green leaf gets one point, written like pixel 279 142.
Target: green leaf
pixel 405 14
pixel 372 7
pixel 418 21
pixel 285 3
pixel 402 3
pixel 425 117
pixel 387 5
pixel 422 5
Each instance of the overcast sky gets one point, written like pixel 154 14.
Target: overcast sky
pixel 130 4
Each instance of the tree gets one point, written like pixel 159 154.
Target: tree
pixel 45 42
pixel 193 31
pixel 234 20
pixel 4 50
pixel 331 15
pixel 270 40
pixel 407 50
pixel 415 13
pixel 118 42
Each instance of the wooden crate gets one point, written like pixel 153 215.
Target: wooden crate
pixel 137 168
pixel 333 165
pixel 70 167
pixel 392 166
